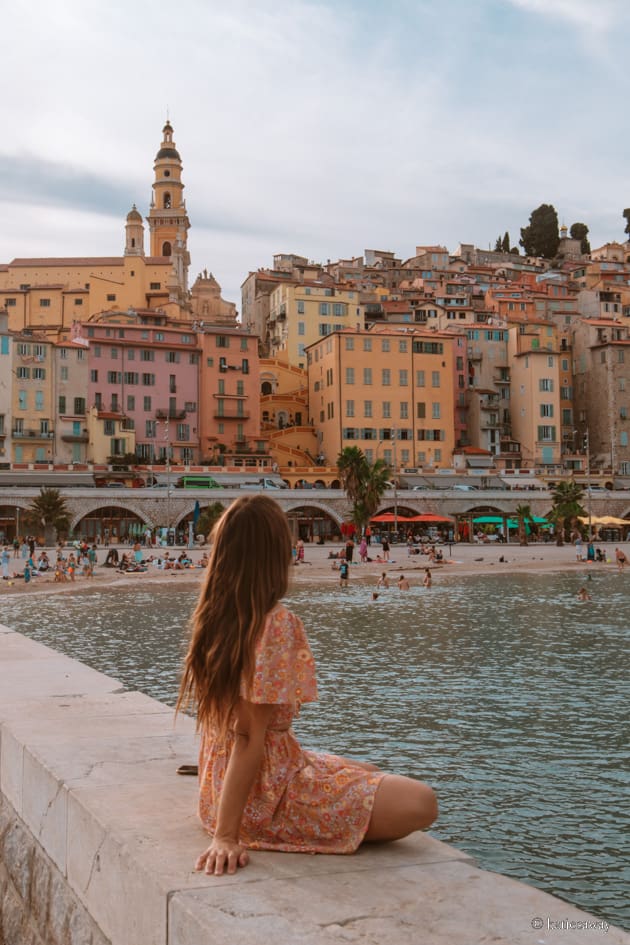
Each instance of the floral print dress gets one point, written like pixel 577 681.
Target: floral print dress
pixel 301 801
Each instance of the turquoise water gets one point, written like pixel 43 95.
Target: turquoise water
pixel 505 693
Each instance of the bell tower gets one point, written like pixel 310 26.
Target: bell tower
pixel 168 220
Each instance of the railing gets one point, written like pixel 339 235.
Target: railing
pixel 170 414
pixel 231 416
pixel 32 434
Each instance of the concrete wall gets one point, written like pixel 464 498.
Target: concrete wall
pixel 98 836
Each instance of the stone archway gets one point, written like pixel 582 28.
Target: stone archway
pixel 110 524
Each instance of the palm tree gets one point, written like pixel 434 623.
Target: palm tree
pixel 49 511
pixel 363 481
pixel 523 515
pixel 352 466
pixel 566 498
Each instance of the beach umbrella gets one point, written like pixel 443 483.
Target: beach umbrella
pixel 389 517
pixel 431 519
pixel 196 513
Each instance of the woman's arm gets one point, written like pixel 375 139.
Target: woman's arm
pixel 250 727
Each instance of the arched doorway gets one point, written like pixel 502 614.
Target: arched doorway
pixel 312 524
pixel 110 525
pixel 266 387
pixel 10 526
pixel 166 249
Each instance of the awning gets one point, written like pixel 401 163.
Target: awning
pixel 431 519
pixel 389 517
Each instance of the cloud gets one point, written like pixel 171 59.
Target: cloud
pixel 598 16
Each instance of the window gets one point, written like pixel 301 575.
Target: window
pixel 301 328
pixel 78 301
pixel 421 411
pixel 113 353
pixel 565 364
pixel 547 433
pixel 114 377
pixel 435 378
pixel 23 372
pixel 300 306
pixel 349 375
pixel 385 344
pixel 155 286
pixel 193 357
pixel 349 408
pixel 111 297
pixel 147 354
pixel 98 400
pixel 623 438
pixel 545 384
pixel 623 413
pixel 172 357
pixel 622 383
pixel 44 303
pixel 93 377
pixel 96 351
pixel 402 347
pixel 566 393
pixel 550 361
pixel 367 408
pixel 4 344
pixel 131 402
pixel 183 431
pixel 131 377
pixel 9 302
pixel 39 374
pixel 420 381
pixel 146 404
pixel 339 308
pixel 109 428
pixel 367 375
pixel 62 404
pixel 386 377
pixel 367 344
pixel 190 406
pixel 148 380
pixel 435 410
pixel 403 378
pixel 620 356
pixel 40 352
pixel 114 405
pixel 324 308
pixel 546 410
pixel 245 366
pixel 39 400
pixel 404 410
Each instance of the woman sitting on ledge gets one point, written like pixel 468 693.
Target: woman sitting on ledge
pixel 249 668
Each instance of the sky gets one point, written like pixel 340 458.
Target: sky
pixel 318 128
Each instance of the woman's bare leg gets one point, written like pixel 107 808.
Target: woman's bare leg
pixel 401 805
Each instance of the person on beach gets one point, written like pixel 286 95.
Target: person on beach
pixel 428 578
pixel 620 558
pixel 5 558
pixel 249 669
pixel 403 583
pixel 385 548
pixel 344 573
pixel 383 581
pixel 583 594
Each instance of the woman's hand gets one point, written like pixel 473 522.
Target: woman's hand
pixel 222 856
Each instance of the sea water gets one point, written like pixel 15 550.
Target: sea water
pixel 505 693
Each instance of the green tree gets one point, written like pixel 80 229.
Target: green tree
pixel 566 498
pixel 49 512
pixel 498 246
pixel 364 483
pixel 626 215
pixel 542 236
pixel 208 518
pixel 579 231
pixel 505 245
pixel 523 516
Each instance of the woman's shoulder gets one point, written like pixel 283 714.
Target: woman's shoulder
pixel 283 622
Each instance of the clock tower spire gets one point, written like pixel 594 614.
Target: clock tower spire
pixel 168 220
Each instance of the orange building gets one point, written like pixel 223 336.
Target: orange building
pixel 390 391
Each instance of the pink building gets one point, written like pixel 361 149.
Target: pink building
pixel 143 380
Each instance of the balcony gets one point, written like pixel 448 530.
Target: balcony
pixel 75 437
pixel 32 435
pixel 170 414
pixel 230 416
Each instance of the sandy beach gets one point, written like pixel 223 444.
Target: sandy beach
pixel 459 560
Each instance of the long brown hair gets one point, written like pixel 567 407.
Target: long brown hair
pixel 247 575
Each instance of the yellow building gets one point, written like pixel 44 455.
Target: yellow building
pixel 389 391
pixel 49 294
pixel 535 392
pixel 33 408
pixel 299 315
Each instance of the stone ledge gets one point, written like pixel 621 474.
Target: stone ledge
pixel 91 771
